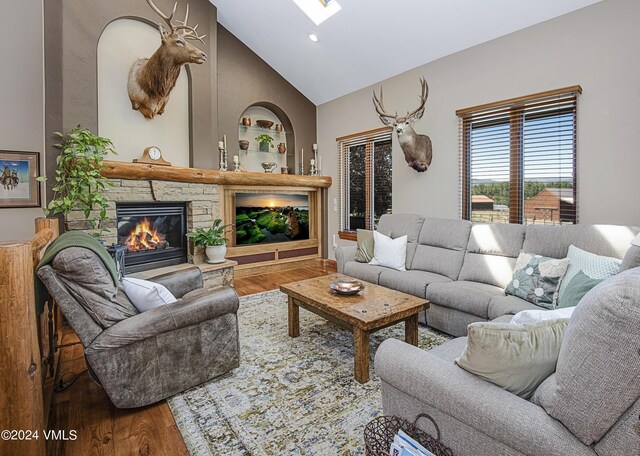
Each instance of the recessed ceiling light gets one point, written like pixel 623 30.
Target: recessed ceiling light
pixel 313 37
pixel 318 10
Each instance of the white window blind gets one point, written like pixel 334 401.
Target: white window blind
pixel 518 159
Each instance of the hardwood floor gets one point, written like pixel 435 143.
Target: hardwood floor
pixel 101 428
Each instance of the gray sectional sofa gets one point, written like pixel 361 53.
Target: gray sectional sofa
pixel 463 268
pixel 589 406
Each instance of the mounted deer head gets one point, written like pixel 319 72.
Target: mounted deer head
pixel 416 148
pixel 151 80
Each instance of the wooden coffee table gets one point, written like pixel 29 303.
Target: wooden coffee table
pixel 372 309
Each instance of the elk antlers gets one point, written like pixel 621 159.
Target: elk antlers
pixel 380 109
pixel 188 32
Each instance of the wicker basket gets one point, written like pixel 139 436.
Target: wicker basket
pixel 379 434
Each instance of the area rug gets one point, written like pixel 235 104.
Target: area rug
pixel 289 396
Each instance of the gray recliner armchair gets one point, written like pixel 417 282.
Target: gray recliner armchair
pixel 141 358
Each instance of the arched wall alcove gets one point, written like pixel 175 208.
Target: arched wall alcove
pixel 252 158
pixel 121 43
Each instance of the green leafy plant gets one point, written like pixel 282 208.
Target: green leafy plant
pixel 265 139
pixel 78 179
pixel 210 236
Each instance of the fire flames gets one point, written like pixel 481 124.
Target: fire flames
pixel 143 237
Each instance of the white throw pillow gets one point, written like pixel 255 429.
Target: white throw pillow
pixel 390 253
pixel 146 295
pixel 529 317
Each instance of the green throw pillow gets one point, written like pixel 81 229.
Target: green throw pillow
pixel 364 252
pixel 577 287
pixel 594 266
pixel 537 279
pixel 517 358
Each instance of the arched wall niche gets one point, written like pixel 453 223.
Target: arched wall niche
pixel 252 158
pixel 121 43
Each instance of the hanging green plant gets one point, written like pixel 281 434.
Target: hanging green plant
pixel 78 178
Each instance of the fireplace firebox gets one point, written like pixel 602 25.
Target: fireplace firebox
pixel 153 234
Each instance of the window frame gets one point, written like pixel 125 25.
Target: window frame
pixel 368 139
pixel 514 111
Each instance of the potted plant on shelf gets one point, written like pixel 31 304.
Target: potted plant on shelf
pixel 265 141
pixel 78 179
pixel 213 240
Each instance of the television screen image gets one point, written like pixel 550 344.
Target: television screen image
pixel 263 218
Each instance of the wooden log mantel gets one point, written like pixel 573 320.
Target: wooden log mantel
pixel 138 171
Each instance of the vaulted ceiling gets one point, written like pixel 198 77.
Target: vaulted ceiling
pixel 371 40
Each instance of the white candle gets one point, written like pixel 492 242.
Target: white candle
pixel 302 155
pixel 224 139
pixel 315 146
pixel 319 163
pixel 220 145
pixel 235 159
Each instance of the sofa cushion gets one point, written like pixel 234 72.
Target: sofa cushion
pixel 441 246
pixel 412 282
pixel 491 253
pixel 517 358
pixel 365 244
pixel 598 372
pixel 396 225
pixel 363 271
pixel 631 259
pixel 88 281
pixel 554 241
pixel 390 253
pixel 493 270
pixel 594 266
pixel 508 305
pixel 465 296
pixel 537 279
pixel 450 350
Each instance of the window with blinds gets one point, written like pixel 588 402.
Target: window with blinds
pixel 365 179
pixel 518 159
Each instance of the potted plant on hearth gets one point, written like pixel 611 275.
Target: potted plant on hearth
pixel 266 142
pixel 213 240
pixel 78 179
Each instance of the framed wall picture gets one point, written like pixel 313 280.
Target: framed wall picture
pixel 18 185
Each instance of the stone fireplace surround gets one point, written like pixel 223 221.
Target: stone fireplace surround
pixel 201 190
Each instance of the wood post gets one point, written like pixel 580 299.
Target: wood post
pixel 49 324
pixel 20 363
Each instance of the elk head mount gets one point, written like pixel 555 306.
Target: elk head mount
pixel 416 148
pixel 151 80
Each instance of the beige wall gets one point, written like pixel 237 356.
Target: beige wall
pixel 596 47
pixel 22 98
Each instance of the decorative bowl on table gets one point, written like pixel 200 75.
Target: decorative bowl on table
pixel 264 123
pixel 346 287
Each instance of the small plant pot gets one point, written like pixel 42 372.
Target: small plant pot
pixel 216 253
pixel 264 147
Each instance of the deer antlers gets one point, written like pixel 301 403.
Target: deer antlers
pixel 188 32
pixel 380 109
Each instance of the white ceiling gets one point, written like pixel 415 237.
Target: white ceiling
pixel 371 40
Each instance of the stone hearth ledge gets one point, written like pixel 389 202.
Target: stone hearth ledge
pixel 214 275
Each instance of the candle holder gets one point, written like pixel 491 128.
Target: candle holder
pixel 302 169
pixel 313 171
pixel 236 167
pixel 223 159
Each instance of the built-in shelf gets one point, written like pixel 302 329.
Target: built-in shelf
pixel 260 130
pixel 272 152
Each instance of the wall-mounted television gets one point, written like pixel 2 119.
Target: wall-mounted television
pixel 263 218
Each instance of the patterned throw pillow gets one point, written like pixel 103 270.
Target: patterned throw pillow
pixel 537 279
pixel 592 265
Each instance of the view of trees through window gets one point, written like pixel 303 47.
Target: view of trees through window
pixel 369 183
pixel 527 161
